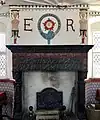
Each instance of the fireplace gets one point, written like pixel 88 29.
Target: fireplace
pixel 53 58
pixel 37 81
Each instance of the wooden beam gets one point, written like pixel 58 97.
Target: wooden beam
pixel 49 2
pixel 35 2
pixel 56 1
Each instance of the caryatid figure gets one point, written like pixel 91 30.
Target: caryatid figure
pixel 15 25
pixel 83 25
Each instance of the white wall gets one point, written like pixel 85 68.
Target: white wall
pixel 94 25
pixel 4 28
pixel 36 81
pixel 34 37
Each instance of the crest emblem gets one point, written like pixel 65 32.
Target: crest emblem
pixel 49 25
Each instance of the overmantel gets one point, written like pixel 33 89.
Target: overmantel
pixel 49 48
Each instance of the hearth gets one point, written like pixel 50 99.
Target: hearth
pixel 69 58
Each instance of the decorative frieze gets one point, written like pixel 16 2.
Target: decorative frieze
pixel 28 7
pixel 7 14
pixel 31 7
pixel 91 13
pixel 94 13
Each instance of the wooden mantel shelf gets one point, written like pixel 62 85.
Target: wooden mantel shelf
pixel 49 48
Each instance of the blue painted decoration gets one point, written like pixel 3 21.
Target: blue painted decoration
pixel 49 25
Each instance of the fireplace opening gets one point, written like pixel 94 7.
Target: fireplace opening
pixel 34 82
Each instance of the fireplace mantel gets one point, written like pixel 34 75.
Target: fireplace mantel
pixel 49 48
pixel 27 58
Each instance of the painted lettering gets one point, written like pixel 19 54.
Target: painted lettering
pixel 27 24
pixel 70 23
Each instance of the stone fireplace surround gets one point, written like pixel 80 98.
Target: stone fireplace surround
pixel 51 58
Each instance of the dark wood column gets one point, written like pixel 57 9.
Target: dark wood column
pixel 17 75
pixel 82 75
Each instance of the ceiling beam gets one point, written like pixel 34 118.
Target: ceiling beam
pixel 56 1
pixel 35 2
pixel 60 2
pixel 48 1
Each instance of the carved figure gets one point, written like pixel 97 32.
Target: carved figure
pixel 15 26
pixel 83 25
